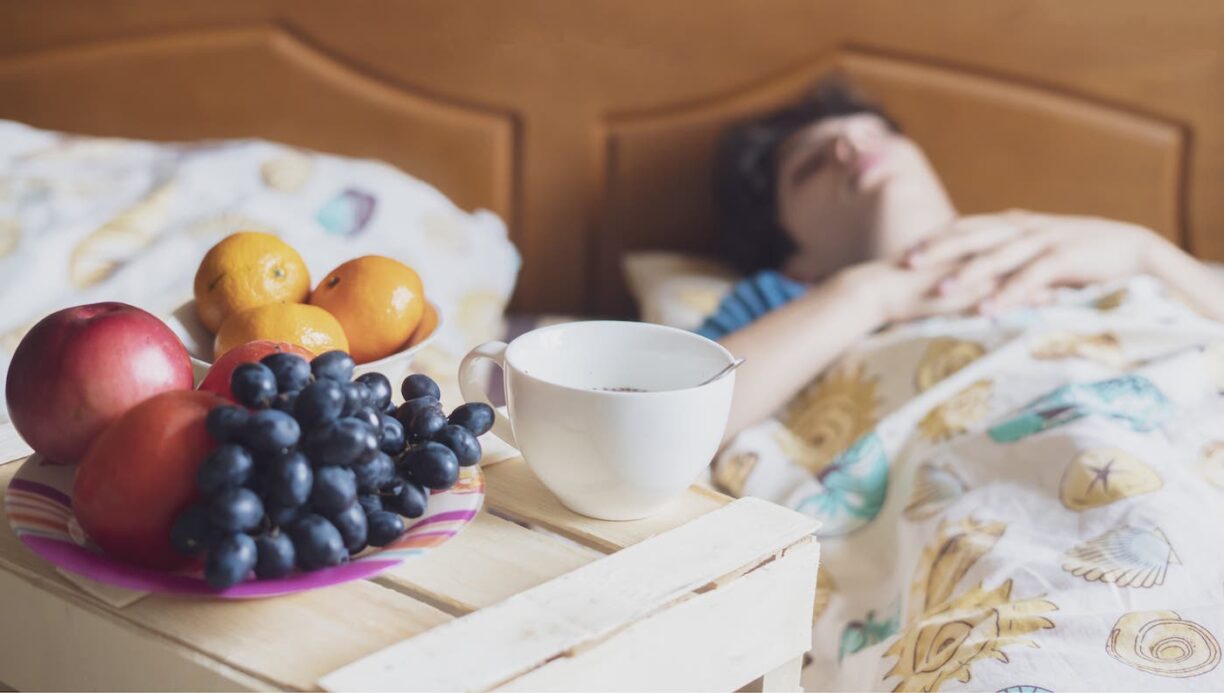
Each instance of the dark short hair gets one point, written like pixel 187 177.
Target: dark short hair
pixel 745 185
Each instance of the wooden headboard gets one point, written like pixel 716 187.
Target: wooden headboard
pixel 590 125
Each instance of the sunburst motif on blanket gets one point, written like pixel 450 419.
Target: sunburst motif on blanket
pixel 829 415
pixel 101 253
pixel 958 413
pixel 1112 300
pixel 945 634
pixel 943 357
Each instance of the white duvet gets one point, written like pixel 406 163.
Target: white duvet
pixel 1031 503
pixel 86 219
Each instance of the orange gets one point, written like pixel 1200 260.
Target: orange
pixel 309 327
pixel 429 322
pixel 245 270
pixel 379 301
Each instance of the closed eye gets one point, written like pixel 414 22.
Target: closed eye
pixel 811 164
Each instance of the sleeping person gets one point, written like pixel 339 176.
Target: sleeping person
pixel 1010 426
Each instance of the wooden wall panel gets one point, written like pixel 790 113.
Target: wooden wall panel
pixel 542 109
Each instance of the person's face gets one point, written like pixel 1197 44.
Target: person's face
pixel 850 189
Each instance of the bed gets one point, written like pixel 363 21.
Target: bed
pixel 961 469
pixel 590 128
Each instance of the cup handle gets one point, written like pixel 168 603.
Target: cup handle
pixel 474 390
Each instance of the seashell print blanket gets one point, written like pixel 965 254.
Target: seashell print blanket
pixel 1021 504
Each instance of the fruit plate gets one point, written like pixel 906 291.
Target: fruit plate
pixel 39 507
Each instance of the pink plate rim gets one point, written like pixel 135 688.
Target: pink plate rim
pixel 39 507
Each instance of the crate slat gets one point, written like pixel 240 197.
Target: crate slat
pixel 727 633
pixel 581 607
pixel 515 492
pixel 492 559
pixel 290 640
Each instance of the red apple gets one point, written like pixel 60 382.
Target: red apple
pixel 78 369
pixel 217 380
pixel 140 474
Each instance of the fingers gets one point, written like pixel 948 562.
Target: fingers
pixel 969 236
pixel 996 263
pixel 1027 283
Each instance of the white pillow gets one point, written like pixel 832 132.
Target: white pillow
pixel 676 289
pixel 86 219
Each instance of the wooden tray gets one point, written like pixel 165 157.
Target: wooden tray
pixel 713 594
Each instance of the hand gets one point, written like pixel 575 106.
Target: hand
pixel 898 293
pixel 1029 254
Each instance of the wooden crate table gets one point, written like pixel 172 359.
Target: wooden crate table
pixel 713 594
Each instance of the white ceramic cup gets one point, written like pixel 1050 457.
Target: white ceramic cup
pixel 609 454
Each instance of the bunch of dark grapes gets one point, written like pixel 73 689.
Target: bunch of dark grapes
pixel 316 466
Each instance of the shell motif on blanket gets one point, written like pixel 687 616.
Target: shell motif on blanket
pixel 113 244
pixel 1131 399
pixel 828 416
pixel 943 357
pixel 731 473
pixel 959 413
pixel 1124 556
pixel 862 633
pixel 1163 643
pixel 852 489
pixel 935 488
pixel 1212 462
pixel 287 172
pixel 1105 475
pixel 945 633
pixel 1102 348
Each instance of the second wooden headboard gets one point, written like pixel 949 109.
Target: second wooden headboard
pixel 590 126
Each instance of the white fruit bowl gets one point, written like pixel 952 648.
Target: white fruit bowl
pixel 199 342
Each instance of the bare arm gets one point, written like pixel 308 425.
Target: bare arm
pixel 789 347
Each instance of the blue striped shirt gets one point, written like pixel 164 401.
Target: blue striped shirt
pixel 748 300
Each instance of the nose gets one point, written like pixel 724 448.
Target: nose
pixel 853 143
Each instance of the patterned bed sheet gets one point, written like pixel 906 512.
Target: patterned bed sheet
pixel 1022 504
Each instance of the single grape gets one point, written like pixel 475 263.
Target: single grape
pixel 461 442
pixel 409 409
pixel 333 365
pixel 476 417
pixel 409 500
pixel 225 424
pixel 351 522
pixel 352 398
pixel 340 443
pixel 271 430
pixel 236 510
pixel 229 562
pixel 290 478
pixel 335 488
pixel 292 371
pixel 383 527
pixel 367 415
pixel 391 438
pixel 281 515
pixel 419 385
pixel 286 402
pixel 432 465
pixel 253 385
pixel 191 532
pixel 274 556
pixel 380 389
pixel 320 401
pixel 370 502
pixel 228 466
pixel 372 471
pixel 317 542
pixel 390 409
pixel 425 424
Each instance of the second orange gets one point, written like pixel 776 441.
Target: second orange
pixel 378 301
